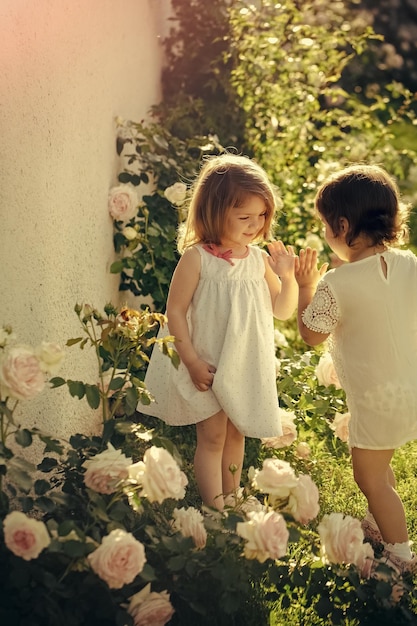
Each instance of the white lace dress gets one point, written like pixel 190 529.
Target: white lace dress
pixel 231 325
pixel 372 319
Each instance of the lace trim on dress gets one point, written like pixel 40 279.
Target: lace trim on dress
pixel 322 314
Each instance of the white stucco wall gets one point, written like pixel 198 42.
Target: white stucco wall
pixel 67 69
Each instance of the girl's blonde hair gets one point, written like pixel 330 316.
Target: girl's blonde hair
pixel 224 183
pixel 369 199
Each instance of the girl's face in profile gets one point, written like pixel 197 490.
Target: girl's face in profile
pixel 244 223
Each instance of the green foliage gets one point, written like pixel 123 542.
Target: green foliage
pixel 304 124
pixel 153 155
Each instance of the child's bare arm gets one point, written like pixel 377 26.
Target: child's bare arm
pixel 279 274
pixel 183 285
pixel 308 274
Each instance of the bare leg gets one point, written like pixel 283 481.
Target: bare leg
pixel 211 437
pixel 234 449
pixel 374 477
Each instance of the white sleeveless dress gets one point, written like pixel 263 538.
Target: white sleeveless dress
pixel 231 326
pixel 372 319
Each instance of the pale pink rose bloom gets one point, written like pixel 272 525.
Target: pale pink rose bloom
pixel 342 541
pixel 340 426
pixel 303 503
pixel 21 373
pixel 50 356
pixel 303 450
pixel 106 469
pixel 176 193
pixel 24 536
pixel 266 535
pixel 149 608
pixel 123 203
pixel 159 475
pixel 289 431
pixel 119 559
pixel 325 371
pixel 276 478
pixel 189 522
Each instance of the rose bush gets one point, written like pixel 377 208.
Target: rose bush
pixel 113 531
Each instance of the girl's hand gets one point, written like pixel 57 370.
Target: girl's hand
pixel 307 273
pixel 202 374
pixel 281 259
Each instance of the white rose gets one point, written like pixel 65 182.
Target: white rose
pixel 50 356
pixel 149 608
pixel 276 478
pixel 279 338
pixel 176 193
pixel 303 503
pixel 159 475
pixel 119 559
pixel 340 426
pixel 130 233
pixel 325 371
pixel 342 540
pixel 21 373
pixel 266 535
pixel 313 241
pixel 24 536
pixel 123 203
pixel 105 470
pixel 190 523
pixel 303 450
pixel 289 431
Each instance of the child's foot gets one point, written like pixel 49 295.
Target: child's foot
pixel 372 534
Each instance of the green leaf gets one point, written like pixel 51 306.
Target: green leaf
pixel 72 342
pixel 23 437
pixel 76 388
pixel 47 464
pixel 92 394
pixel 57 382
pixel 41 487
pixel 117 267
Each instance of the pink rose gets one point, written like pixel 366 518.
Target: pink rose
pixel 123 203
pixel 289 431
pixel 303 503
pixel 189 522
pixel 159 475
pixel 149 608
pixel 105 470
pixel 340 426
pixel 119 559
pixel 21 373
pixel 24 536
pixel 276 478
pixel 266 535
pixel 326 373
pixel 342 540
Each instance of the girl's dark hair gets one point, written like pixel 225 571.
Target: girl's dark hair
pixel 369 199
pixel 224 183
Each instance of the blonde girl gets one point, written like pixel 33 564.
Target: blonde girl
pixel 224 293
pixel 367 308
